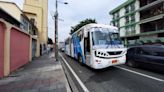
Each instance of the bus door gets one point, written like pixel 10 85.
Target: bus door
pixel 87 49
pixel 70 48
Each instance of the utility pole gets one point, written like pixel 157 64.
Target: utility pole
pixel 56 28
pixel 56 31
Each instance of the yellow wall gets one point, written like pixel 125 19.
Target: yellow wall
pixel 40 8
pixel 12 9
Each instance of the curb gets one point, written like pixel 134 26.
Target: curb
pixel 68 88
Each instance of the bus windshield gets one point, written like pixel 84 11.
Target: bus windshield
pixel 105 36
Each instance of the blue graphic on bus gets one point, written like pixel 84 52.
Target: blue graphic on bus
pixel 77 47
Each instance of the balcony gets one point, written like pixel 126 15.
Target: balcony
pixel 153 11
pixel 153 26
pixel 130 32
pixel 147 2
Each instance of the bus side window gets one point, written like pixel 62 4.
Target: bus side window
pixel 88 47
pixel 88 43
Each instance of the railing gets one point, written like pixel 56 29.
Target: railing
pixel 152 12
pixel 129 33
pixel 152 9
pixel 146 2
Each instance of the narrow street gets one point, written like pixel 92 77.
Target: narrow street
pixel 117 79
pixel 81 46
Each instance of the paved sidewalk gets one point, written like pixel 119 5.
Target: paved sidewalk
pixel 41 75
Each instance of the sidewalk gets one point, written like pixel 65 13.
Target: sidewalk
pixel 41 75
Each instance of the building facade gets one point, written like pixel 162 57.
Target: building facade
pixel 15 44
pixel 18 38
pixel 37 10
pixel 21 21
pixel 152 21
pixel 138 21
pixel 13 10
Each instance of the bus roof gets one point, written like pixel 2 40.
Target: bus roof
pixel 100 25
pixel 91 25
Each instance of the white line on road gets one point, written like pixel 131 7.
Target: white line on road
pixel 148 76
pixel 77 78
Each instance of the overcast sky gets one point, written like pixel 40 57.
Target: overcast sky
pixel 75 11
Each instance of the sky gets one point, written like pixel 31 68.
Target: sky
pixel 76 11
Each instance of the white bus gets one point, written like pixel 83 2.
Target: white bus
pixel 61 46
pixel 96 45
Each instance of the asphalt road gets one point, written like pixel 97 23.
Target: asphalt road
pixel 118 79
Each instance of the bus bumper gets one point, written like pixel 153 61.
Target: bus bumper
pixel 100 63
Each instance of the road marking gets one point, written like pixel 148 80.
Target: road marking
pixel 77 78
pixel 148 76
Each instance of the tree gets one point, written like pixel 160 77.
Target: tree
pixel 81 24
pixel 50 41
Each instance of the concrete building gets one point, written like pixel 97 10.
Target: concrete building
pixel 7 17
pixel 23 22
pixel 151 21
pixel 126 18
pixel 15 44
pixel 13 10
pixel 37 10
pixel 138 21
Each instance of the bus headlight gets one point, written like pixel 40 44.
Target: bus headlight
pixel 101 54
pixel 124 52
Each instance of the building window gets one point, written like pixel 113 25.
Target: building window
pixel 127 30
pixel 133 29
pixel 132 6
pixel 132 18
pixel 116 16
pixel 117 24
pixel 126 19
pixel 126 9
pixel 30 27
pixel 114 23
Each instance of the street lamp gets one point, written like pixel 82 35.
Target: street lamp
pixel 56 28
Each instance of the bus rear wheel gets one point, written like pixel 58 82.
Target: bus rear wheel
pixel 80 59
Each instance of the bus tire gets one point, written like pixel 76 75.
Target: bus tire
pixel 80 60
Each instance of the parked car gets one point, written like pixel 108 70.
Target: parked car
pixel 151 56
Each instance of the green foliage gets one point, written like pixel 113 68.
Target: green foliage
pixel 50 41
pixel 81 24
